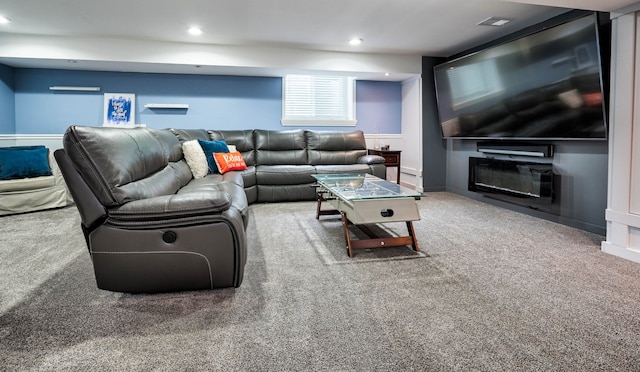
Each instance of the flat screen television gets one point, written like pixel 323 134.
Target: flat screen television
pixel 546 85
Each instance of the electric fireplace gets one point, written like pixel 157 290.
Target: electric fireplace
pixel 525 183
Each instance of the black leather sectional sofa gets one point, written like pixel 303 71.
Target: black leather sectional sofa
pixel 151 227
pixel 280 163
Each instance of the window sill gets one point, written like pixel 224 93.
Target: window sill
pixel 318 123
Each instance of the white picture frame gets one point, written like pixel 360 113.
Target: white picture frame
pixel 119 110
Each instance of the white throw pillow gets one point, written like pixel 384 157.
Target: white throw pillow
pixel 197 161
pixel 232 148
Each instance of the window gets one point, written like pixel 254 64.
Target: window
pixel 473 83
pixel 318 100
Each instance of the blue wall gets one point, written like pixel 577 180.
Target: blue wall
pixel 215 102
pixel 379 106
pixel 7 100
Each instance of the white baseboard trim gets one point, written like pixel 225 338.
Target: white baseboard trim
pixel 626 253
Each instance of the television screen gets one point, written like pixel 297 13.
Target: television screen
pixel 546 85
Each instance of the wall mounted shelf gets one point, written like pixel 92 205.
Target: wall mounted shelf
pixel 77 89
pixel 167 106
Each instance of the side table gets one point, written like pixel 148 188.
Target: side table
pixel 391 158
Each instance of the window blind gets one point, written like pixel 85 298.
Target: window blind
pixel 318 100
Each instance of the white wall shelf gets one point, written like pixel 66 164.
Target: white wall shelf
pixel 77 89
pixel 167 106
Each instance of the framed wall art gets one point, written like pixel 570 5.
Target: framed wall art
pixel 119 109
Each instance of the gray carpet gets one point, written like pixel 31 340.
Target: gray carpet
pixel 491 289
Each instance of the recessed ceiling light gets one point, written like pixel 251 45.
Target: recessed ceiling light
pixel 495 21
pixel 387 73
pixel 4 20
pixel 355 41
pixel 195 31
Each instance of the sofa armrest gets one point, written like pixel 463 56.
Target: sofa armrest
pixel 371 159
pixel 58 177
pixel 183 206
pixel 55 170
pixel 92 212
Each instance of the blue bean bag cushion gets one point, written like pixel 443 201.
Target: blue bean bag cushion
pixel 211 147
pixel 24 162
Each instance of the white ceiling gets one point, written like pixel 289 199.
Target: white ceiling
pixel 401 27
pixel 599 5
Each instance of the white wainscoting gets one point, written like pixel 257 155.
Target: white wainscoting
pixel 52 141
pixel 623 204
pixel 412 134
pixel 409 176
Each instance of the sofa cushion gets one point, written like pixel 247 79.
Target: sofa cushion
pixel 234 177
pixel 172 207
pixel 169 145
pixel 276 193
pixel 280 147
pixel 121 165
pixel 197 161
pixel 218 182
pixel 189 134
pixel 249 176
pixel 347 168
pixel 241 139
pixel 284 174
pixel 27 184
pixel 24 162
pixel 330 147
pixel 164 182
pixel 210 148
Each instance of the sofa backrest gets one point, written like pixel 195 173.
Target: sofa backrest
pixel 122 164
pixel 190 134
pixel 241 139
pixel 335 148
pixel 275 147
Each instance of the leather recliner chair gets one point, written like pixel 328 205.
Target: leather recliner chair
pixel 145 231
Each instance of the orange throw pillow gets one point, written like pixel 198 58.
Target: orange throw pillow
pixel 229 161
